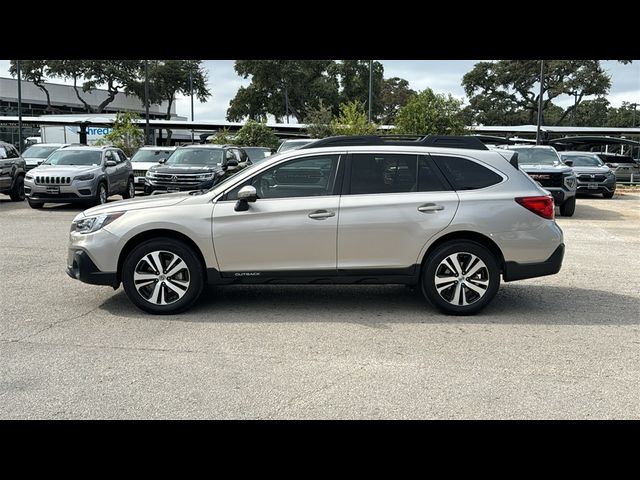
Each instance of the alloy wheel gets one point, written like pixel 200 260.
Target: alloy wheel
pixel 462 279
pixel 161 277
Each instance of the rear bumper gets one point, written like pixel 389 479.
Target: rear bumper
pixel 81 267
pixel 519 271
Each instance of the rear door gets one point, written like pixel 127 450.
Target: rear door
pixel 392 204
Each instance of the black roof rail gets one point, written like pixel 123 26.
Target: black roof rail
pixel 446 141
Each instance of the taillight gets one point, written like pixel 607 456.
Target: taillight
pixel 542 206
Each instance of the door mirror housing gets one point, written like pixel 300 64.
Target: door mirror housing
pixel 232 164
pixel 162 160
pixel 568 163
pixel 246 195
pixel 110 163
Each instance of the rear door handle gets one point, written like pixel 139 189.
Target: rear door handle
pixel 321 214
pixel 430 208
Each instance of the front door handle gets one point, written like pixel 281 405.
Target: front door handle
pixel 321 214
pixel 430 208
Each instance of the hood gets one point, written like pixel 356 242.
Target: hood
pixel 33 160
pixel 560 168
pixel 173 169
pixel 152 201
pixel 601 170
pixel 63 170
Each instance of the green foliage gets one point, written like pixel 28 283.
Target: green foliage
pixel 395 94
pixel 500 92
pixel 256 134
pixel 627 115
pixel 354 80
pixel 125 134
pixel 318 121
pixel 34 71
pixel 429 113
pixel 352 120
pixel 222 137
pixel 281 86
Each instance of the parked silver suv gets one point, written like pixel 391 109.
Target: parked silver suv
pixel 443 213
pixel 80 173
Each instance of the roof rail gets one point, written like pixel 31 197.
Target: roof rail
pixel 446 141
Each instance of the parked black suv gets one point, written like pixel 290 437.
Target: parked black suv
pixel 12 171
pixel 195 167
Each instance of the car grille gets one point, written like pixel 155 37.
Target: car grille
pixel 178 180
pixel 548 179
pixel 139 173
pixel 587 178
pixel 42 180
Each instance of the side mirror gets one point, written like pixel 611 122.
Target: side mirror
pixel 246 195
pixel 568 163
pixel 110 163
pixel 162 160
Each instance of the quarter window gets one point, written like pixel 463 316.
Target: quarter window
pixel 303 177
pixel 464 174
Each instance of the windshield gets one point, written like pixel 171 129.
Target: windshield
pixel 536 156
pixel 293 144
pixel 39 152
pixel 149 155
pixel 196 156
pixel 75 157
pixel 257 154
pixel 583 160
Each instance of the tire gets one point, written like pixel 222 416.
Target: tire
pixel 568 208
pixel 101 198
pixel 150 296
pixel 130 191
pixel 34 204
pixel 17 192
pixel 485 280
pixel 608 194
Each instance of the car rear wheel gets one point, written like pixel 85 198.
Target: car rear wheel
pixel 17 193
pixel 162 276
pixel 130 192
pixel 568 208
pixel 460 277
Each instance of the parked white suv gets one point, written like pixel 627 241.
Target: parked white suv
pixel 443 213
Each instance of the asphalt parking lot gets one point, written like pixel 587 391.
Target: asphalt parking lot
pixel 565 346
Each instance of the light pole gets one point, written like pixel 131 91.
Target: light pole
pixel 538 136
pixel 191 89
pixel 370 86
pixel 146 102
pixel 19 107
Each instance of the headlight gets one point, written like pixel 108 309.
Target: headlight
pixel 205 176
pixel 150 174
pixel 86 176
pixel 570 181
pixel 28 177
pixel 93 224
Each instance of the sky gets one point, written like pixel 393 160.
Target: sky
pixel 442 76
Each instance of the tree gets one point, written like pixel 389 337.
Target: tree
pixel 590 113
pixel 352 120
pixel 430 113
pixel 394 94
pixel 281 87
pixel 498 91
pixel 256 134
pixel 318 121
pixel 167 78
pixel 222 137
pixel 70 69
pixel 125 134
pixel 354 80
pixel 627 115
pixel 34 71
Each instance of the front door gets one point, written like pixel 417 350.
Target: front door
pixel 292 226
pixel 393 204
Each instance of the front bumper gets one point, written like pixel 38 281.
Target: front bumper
pixel 151 187
pixel 519 271
pixel 608 185
pixel 81 267
pixel 77 191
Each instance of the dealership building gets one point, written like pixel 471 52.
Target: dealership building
pixel 64 101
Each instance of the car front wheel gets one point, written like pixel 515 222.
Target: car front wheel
pixel 568 208
pixel 460 277
pixel 17 193
pixel 162 276
pixel 130 192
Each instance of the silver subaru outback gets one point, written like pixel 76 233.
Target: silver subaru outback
pixel 441 213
